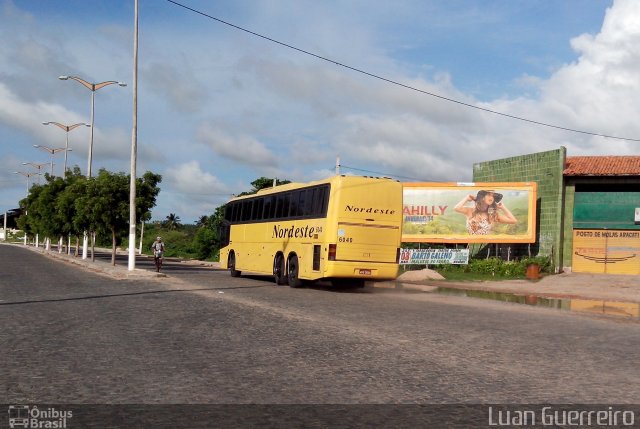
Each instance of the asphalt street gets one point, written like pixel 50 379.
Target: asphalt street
pixel 199 336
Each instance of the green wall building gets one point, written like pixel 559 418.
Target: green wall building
pixel 597 197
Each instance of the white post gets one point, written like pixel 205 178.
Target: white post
pixel 60 245
pixel 85 244
pixel 69 244
pixel 141 236
pixel 47 244
pixel 66 150
pixel 4 237
pixel 37 240
pixel 134 146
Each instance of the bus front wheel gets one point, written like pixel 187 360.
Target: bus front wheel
pixel 279 270
pixel 232 265
pixel 292 271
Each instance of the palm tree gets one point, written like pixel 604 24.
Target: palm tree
pixel 202 221
pixel 172 221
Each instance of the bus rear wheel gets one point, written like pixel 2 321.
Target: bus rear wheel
pixel 279 270
pixel 232 265
pixel 292 271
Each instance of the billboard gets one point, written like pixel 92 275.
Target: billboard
pixel 481 212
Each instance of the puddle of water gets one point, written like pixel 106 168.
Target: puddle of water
pixel 611 308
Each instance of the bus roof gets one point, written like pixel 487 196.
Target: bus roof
pixel 297 185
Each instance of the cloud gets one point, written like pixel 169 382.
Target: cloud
pixel 188 178
pixel 180 86
pixel 243 149
pixel 191 192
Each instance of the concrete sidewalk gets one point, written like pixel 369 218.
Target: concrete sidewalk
pixel 98 266
pixel 605 287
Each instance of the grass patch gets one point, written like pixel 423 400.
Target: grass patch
pixel 493 269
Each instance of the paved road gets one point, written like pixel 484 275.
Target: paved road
pixel 200 336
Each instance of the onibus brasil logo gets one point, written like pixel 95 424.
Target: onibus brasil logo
pixel 25 416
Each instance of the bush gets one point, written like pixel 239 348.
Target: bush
pixel 497 267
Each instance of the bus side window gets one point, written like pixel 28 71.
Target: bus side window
pixel 308 204
pixel 279 206
pixel 319 202
pixel 235 212
pixel 224 231
pixel 269 207
pixel 325 201
pixel 246 210
pixel 286 204
pixel 258 204
pixel 301 200
pixel 296 209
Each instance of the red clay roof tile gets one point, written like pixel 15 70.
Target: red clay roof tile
pixel 602 166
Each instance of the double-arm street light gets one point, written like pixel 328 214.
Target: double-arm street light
pixel 52 151
pixel 37 167
pixel 66 128
pixel 27 175
pixel 93 87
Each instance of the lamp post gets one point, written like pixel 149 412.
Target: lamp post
pixel 93 87
pixel 66 128
pixel 134 146
pixel 52 151
pixel 37 167
pixel 27 175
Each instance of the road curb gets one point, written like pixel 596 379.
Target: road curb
pixel 99 267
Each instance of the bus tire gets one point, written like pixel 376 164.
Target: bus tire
pixel 232 265
pixel 293 269
pixel 279 273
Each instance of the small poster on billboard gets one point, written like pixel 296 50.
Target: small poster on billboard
pixel 434 256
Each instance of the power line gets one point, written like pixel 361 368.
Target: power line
pixel 384 174
pixel 441 97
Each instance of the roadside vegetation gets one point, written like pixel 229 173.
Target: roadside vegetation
pixel 493 269
pixel 68 206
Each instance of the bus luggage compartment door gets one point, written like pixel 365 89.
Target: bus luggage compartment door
pixel 364 242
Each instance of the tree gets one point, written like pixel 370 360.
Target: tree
pixel 108 195
pixel 262 183
pixel 207 238
pixel 97 204
pixel 42 204
pixel 66 203
pixel 202 221
pixel 172 221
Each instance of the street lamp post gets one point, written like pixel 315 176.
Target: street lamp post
pixel 93 87
pixel 66 128
pixel 37 167
pixel 27 175
pixel 134 147
pixel 52 151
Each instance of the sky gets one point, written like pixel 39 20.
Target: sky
pixel 220 106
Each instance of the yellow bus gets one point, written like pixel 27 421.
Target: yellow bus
pixel 346 229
